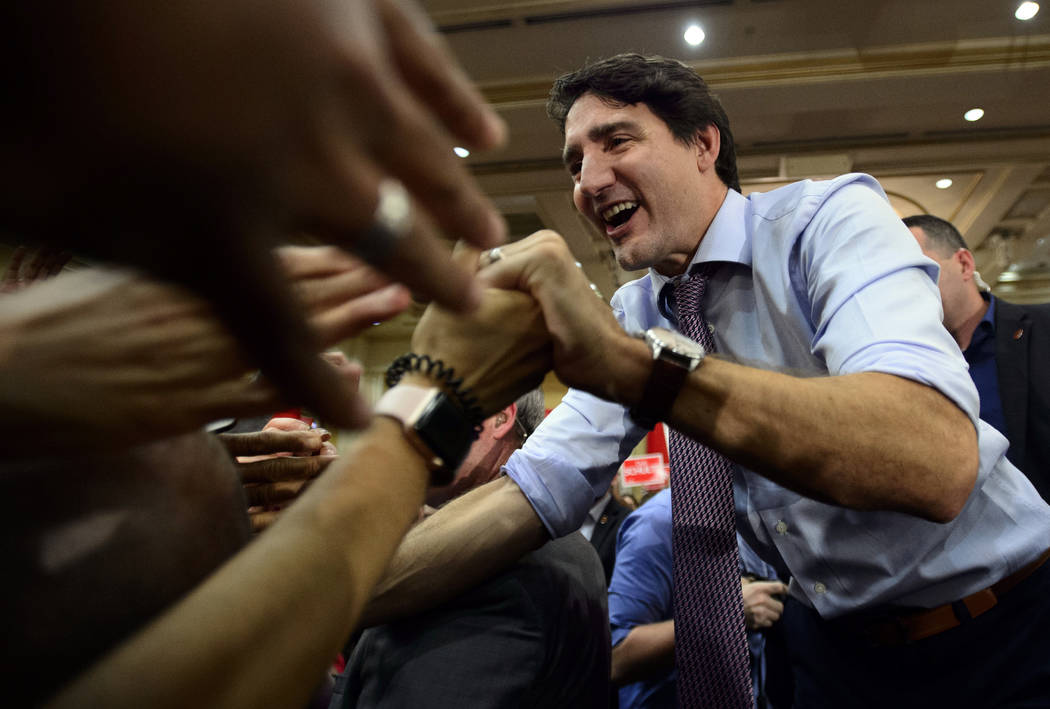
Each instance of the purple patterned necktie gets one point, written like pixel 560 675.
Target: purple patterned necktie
pixel 710 646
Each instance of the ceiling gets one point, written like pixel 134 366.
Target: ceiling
pixel 813 88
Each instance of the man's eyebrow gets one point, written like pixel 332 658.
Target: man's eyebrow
pixel 596 135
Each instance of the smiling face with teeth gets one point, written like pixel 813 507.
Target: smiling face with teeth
pixel 651 195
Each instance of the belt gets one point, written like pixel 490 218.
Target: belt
pixel 907 628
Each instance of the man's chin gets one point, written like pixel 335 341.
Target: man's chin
pixel 628 260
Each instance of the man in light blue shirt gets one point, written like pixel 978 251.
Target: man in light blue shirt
pixel 863 472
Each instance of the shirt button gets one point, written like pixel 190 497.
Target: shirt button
pixel 819 587
pixel 781 527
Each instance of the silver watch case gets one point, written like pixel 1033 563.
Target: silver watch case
pixel 674 347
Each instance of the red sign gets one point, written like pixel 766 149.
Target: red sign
pixel 646 470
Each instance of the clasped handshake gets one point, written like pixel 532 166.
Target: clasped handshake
pixel 106 357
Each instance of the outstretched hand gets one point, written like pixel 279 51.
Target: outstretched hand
pixel 277 464
pixel 106 358
pixel 217 129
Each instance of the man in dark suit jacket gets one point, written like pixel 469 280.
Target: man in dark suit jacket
pixel 602 524
pixel 1007 346
pixel 535 636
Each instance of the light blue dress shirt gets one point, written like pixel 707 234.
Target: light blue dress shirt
pixel 813 279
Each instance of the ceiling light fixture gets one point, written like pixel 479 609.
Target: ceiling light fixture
pixel 694 35
pixel 462 152
pixel 974 114
pixel 1026 10
pixel 943 183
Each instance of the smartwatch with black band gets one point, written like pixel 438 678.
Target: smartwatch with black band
pixel 433 424
pixel 674 357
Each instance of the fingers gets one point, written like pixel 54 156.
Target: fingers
pixel 57 262
pixel 761 606
pixel 271 494
pixel 428 67
pixel 344 198
pixel 284 469
pixel 315 261
pixel 416 149
pixel 261 518
pixel 350 371
pixel 417 152
pixel 13 273
pixel 352 317
pixel 326 275
pixel 527 263
pixel 772 588
pixel 47 261
pixel 284 423
pixel 260 310
pixel 268 442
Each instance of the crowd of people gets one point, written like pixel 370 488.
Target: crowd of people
pixel 245 187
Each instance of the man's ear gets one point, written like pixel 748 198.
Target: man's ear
pixel 967 265
pixel 503 422
pixel 708 143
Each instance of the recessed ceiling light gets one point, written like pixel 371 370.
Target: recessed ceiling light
pixel 1026 10
pixel 974 114
pixel 462 152
pixel 694 35
pixel 943 183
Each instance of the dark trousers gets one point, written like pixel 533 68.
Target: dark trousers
pixel 999 659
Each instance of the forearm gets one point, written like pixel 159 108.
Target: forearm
pixel 262 630
pixel 867 440
pixel 647 651
pixel 467 541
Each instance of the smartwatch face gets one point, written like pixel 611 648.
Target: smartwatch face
pixel 440 426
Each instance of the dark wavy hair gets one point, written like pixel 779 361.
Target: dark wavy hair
pixel 669 88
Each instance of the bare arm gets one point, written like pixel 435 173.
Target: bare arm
pixel 648 650
pixel 287 601
pixel 469 540
pixel 853 440
pixel 868 440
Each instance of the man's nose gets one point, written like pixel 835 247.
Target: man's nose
pixel 596 175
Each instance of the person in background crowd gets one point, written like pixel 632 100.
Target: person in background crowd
pixel 641 610
pixel 601 526
pixel 1006 345
pixel 535 636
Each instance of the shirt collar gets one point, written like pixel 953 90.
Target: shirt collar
pixel 596 509
pixel 726 239
pixel 989 315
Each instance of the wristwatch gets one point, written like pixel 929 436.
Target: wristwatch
pixel 674 357
pixel 433 424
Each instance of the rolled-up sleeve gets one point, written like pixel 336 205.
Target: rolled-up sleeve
pixel 572 457
pixel 873 298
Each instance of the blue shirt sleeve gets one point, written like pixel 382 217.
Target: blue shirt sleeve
pixel 571 458
pixel 872 295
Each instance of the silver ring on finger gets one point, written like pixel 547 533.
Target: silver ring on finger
pixel 493 255
pixel 391 223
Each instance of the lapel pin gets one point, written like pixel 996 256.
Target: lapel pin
pixel 1018 332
